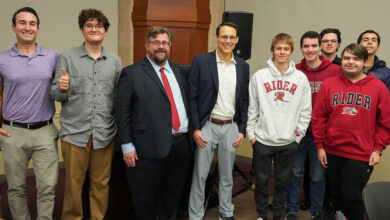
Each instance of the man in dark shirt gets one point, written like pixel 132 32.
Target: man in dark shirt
pixel 330 43
pixel 371 40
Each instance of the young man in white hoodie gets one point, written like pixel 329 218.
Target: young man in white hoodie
pixel 278 116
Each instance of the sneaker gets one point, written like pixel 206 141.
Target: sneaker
pixel 316 216
pixel 291 217
pixel 340 216
pixel 261 218
pixel 226 218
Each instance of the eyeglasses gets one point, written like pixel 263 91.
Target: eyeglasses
pixel 329 41
pixel 158 43
pixel 226 37
pixel 91 26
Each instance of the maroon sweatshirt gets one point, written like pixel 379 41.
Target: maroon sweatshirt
pixel 352 119
pixel 316 76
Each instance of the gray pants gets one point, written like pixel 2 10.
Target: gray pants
pixel 40 145
pixel 220 138
pixel 283 158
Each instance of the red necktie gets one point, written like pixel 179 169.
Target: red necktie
pixel 175 115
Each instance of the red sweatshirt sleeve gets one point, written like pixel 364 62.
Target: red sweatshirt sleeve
pixel 382 125
pixel 320 116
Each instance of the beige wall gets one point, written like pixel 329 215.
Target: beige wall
pixel 125 35
pixel 299 16
pixel 216 11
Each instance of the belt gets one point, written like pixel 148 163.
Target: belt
pixel 178 135
pixel 33 125
pixel 221 122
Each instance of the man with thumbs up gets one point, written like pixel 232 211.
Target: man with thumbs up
pixel 84 83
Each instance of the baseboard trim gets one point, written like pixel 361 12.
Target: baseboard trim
pixel 243 159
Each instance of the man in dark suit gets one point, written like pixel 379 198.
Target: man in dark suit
pixel 218 98
pixel 152 126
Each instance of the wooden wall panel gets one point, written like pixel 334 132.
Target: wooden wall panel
pixel 189 21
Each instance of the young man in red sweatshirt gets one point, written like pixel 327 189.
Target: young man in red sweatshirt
pixel 316 68
pixel 351 127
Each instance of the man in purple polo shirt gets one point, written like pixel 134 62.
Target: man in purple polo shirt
pixel 27 132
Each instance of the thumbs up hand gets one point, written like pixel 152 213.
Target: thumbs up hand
pixel 63 82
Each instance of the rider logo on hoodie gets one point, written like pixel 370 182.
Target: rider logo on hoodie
pixel 349 111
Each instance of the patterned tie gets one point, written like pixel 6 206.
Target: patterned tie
pixel 175 115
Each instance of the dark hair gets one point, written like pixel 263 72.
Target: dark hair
pixel 331 31
pixel 311 35
pixel 227 23
pixel 357 50
pixel 156 30
pixel 87 14
pixel 282 37
pixel 25 9
pixel 370 32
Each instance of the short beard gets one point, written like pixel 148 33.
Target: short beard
pixel 158 60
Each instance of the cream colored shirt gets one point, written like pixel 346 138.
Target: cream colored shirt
pixel 224 109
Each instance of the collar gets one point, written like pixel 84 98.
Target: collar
pixel 84 52
pixel 157 68
pixel 38 51
pixel 232 60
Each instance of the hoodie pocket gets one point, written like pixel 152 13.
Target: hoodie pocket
pixel 278 128
pixel 349 141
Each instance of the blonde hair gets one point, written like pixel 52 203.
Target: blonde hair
pixel 282 37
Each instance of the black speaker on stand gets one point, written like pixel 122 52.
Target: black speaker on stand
pixel 244 21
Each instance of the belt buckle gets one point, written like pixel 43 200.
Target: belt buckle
pixel 29 125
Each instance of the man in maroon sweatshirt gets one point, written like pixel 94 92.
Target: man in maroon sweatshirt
pixel 351 127
pixel 316 68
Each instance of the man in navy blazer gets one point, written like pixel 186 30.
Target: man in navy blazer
pixel 218 97
pixel 152 120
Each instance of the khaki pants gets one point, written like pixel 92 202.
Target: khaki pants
pixel 79 160
pixel 40 145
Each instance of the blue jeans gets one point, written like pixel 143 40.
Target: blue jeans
pixel 317 178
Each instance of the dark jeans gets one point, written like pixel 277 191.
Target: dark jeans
pixel 283 158
pixel 346 179
pixel 317 178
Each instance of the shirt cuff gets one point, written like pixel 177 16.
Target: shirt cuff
pixel 320 145
pixel 378 147
pixel 250 134
pixel 128 148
